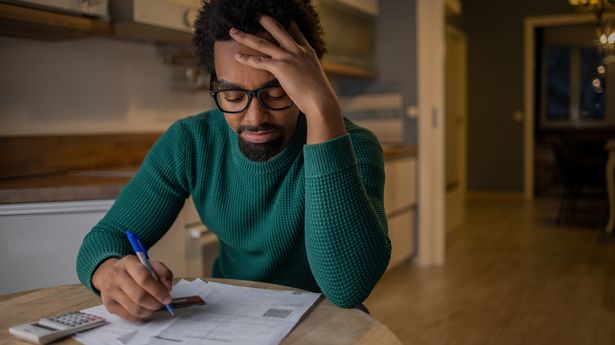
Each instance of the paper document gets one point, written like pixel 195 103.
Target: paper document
pixel 232 315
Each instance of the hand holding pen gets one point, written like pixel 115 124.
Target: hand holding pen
pixel 141 253
pixel 129 290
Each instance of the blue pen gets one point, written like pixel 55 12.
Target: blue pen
pixel 142 255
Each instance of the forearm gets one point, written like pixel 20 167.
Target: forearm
pixel 138 209
pixel 346 232
pixel 148 205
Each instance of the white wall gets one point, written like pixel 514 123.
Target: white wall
pixel 89 86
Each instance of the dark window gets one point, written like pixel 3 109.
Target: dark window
pixel 558 83
pixel 592 87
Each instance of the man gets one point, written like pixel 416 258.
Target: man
pixel 293 190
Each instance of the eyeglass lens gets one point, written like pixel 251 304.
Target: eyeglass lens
pixel 273 98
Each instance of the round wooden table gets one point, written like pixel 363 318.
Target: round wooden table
pixel 323 324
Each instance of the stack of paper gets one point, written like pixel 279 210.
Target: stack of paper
pixel 231 315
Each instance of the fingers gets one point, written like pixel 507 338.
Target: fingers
pixel 255 61
pixel 117 301
pixel 278 32
pixel 164 274
pixel 115 308
pixel 130 291
pixel 297 35
pixel 257 43
pixel 289 40
pixel 149 284
pixel 138 297
pixel 135 310
pixel 293 45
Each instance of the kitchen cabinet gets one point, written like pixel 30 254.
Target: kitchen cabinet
pixel 39 24
pixel 350 34
pixel 400 206
pixel 349 25
pixel 40 242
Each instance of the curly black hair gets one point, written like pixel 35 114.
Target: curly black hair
pixel 216 17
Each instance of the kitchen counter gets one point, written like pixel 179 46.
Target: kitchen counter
pixel 99 184
pixel 394 151
pixel 96 184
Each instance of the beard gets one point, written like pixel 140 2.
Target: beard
pixel 260 152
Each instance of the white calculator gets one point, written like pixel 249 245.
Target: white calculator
pixel 49 329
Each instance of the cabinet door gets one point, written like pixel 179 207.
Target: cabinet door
pixel 188 248
pixel 401 234
pixel 171 248
pixel 39 242
pixel 400 185
pixel 400 206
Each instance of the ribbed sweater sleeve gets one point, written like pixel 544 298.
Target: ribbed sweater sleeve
pixel 347 245
pixel 148 205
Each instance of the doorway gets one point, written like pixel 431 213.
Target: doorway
pixel 531 25
pixel 455 123
pixel 569 117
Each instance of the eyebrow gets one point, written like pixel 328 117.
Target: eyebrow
pixel 225 84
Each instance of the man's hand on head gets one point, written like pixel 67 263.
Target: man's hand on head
pixel 128 290
pixel 297 67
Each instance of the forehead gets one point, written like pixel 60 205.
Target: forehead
pixel 228 69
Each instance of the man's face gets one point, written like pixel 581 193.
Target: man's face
pixel 262 133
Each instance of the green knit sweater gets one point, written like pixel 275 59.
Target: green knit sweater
pixel 312 217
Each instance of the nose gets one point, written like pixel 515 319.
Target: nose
pixel 256 114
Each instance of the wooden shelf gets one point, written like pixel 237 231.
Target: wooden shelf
pixel 348 71
pixel 32 23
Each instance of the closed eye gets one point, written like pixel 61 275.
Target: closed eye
pixel 275 93
pixel 233 97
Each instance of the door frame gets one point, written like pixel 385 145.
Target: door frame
pixel 430 25
pixel 531 23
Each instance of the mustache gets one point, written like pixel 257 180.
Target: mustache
pixel 261 128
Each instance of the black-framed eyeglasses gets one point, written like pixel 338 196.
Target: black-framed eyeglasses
pixel 237 100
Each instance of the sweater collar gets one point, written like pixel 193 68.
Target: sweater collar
pixel 278 162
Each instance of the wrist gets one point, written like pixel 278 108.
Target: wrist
pixel 324 122
pixel 100 273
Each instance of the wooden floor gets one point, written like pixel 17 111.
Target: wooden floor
pixel 512 276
